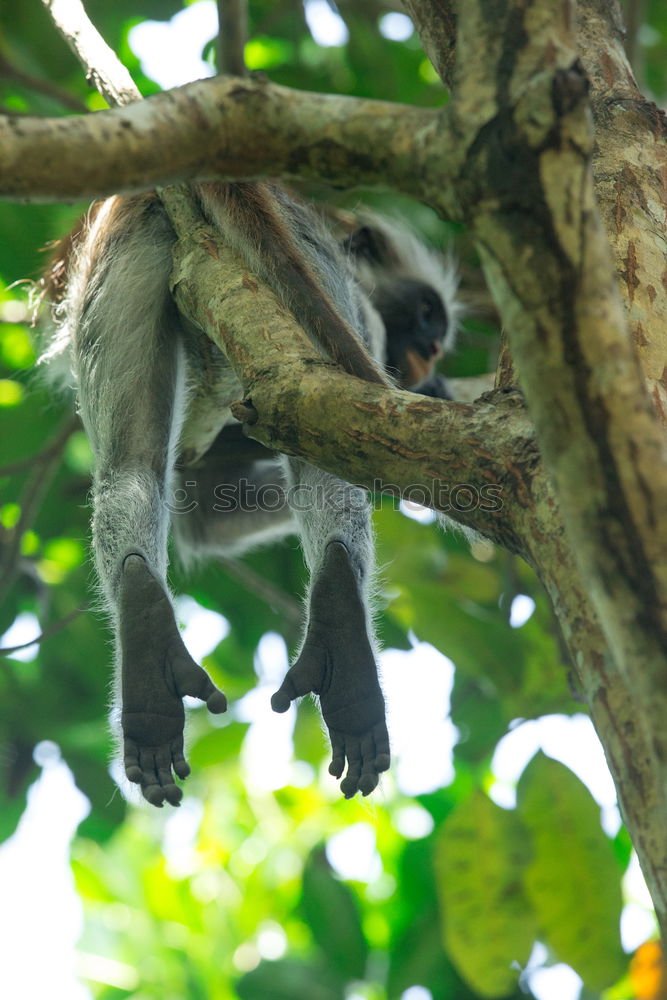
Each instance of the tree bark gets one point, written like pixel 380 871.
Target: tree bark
pixel 525 153
pixel 225 127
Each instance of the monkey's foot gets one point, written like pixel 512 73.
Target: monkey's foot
pixel 337 663
pixel 156 673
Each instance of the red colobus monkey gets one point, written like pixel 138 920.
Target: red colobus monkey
pixel 378 302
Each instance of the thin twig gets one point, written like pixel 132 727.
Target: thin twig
pixel 103 68
pixel 30 502
pixel 232 36
pixel 262 588
pixel 10 72
pixel 45 454
pixel 47 633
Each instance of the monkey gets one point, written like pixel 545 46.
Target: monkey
pixel 415 295
pixel 143 377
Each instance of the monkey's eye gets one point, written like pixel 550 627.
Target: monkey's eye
pixel 426 308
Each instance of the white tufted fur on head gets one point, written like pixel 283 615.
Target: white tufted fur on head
pixel 407 256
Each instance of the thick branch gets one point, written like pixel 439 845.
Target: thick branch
pixel 435 22
pixel 630 168
pixel 526 186
pixel 220 128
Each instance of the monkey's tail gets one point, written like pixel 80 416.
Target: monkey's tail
pixel 287 246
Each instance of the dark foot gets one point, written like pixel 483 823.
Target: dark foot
pixel 337 663
pixel 156 672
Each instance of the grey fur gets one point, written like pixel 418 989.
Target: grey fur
pixel 137 370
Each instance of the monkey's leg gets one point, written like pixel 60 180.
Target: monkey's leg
pixel 130 535
pixel 337 661
pixel 131 388
pixel 156 673
pixel 228 502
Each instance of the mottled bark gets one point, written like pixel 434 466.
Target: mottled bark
pixel 630 170
pixel 227 127
pixel 525 151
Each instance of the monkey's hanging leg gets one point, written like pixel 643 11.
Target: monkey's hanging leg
pixel 337 661
pixel 132 400
pixel 156 673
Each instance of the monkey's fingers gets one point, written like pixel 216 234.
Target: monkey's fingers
pixel 151 768
pixel 337 765
pixel 367 758
pixel 382 750
pixel 350 783
pixel 179 763
pixel 131 761
pixel 300 679
pixel 151 789
pixel 163 763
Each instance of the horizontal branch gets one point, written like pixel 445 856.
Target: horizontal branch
pixel 230 128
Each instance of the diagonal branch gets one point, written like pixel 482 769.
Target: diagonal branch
pixel 31 499
pixel 50 630
pixel 8 71
pixel 105 71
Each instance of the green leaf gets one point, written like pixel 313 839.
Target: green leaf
pixel 217 745
pixel 107 806
pixel 489 927
pixel 11 811
pixel 418 959
pixel 332 913
pixel 288 979
pixel 17 772
pixel 573 880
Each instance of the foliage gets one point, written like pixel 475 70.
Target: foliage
pixel 450 910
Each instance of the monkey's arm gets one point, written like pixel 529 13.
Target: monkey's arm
pixel 337 663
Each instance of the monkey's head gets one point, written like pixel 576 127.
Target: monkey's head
pixel 414 293
pixel 417 326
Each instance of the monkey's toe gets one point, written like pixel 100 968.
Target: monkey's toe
pixel 368 782
pixel 366 759
pixel 151 767
pixel 216 703
pixel 280 702
pixel 153 794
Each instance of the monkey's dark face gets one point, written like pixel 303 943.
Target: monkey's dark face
pixel 416 323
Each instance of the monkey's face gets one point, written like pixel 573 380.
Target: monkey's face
pixel 416 323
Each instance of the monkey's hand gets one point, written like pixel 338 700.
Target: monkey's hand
pixel 156 672
pixel 436 386
pixel 337 663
